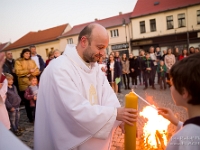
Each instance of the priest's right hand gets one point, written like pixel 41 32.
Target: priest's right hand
pixel 127 115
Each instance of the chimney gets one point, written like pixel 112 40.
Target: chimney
pixel 95 19
pixel 120 13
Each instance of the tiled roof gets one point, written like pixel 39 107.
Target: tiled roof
pixel 107 23
pixel 145 7
pixel 38 37
pixel 4 45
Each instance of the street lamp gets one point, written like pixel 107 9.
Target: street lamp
pixel 124 24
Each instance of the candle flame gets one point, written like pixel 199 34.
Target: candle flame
pixel 155 129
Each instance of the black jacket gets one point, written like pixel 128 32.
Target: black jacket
pixel 8 66
pixel 148 63
pixel 134 64
pixel 141 61
pixel 117 71
pixel 41 61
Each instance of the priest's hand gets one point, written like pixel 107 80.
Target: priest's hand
pixel 127 115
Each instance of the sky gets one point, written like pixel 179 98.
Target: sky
pixel 18 17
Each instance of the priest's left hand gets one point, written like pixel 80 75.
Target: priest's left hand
pixel 127 115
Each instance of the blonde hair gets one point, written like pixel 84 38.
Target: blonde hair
pixel 8 76
pixel 51 53
pixel 56 50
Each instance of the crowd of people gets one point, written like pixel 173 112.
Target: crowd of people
pixel 142 68
pixel 76 107
pixel 19 85
pixel 22 76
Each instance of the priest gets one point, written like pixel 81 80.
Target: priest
pixel 76 107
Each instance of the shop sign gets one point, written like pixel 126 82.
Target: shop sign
pixel 145 42
pixel 120 46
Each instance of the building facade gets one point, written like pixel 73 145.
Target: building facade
pixel 118 28
pixel 164 24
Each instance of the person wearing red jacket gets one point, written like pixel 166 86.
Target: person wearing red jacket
pixel 31 94
pixel 184 54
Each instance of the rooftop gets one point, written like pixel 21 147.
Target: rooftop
pixel 146 7
pixel 107 23
pixel 4 45
pixel 41 36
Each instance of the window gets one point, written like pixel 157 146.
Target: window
pixel 198 16
pixel 181 20
pixel 170 22
pixel 52 48
pixel 70 41
pixel 47 52
pixel 153 25
pixel 142 27
pixel 114 33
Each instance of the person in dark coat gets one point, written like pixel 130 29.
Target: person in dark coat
pixel 118 61
pixel 38 60
pixel 148 67
pixel 141 58
pixel 113 72
pixel 9 67
pixel 134 71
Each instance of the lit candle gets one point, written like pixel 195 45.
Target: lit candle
pixel 131 101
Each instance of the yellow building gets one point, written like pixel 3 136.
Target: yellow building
pixel 44 40
pixel 165 23
pixel 118 28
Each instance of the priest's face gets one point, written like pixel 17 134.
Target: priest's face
pixel 95 51
pixel 96 47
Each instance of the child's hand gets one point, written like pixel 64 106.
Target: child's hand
pixel 35 97
pixel 169 115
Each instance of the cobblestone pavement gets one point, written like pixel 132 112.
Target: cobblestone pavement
pixel 156 97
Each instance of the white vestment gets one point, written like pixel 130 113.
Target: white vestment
pixel 76 107
pixel 186 138
pixel 8 141
pixel 4 118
